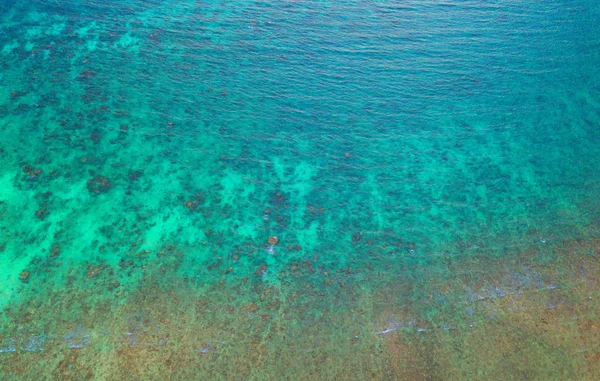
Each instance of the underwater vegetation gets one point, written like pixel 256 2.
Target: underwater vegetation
pixel 316 190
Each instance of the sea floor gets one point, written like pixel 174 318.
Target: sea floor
pixel 430 171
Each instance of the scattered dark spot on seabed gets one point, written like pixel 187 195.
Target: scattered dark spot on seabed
pixel 299 190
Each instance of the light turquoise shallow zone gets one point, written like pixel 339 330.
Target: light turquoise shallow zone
pixel 433 129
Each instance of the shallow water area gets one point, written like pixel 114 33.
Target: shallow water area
pixel 429 171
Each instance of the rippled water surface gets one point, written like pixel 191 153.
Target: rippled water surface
pixel 299 190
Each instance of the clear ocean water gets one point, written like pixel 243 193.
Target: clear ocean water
pixel 252 190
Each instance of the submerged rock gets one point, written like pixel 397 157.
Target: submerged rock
pixel 96 136
pixel 24 276
pixel 99 184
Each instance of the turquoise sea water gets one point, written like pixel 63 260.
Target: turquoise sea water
pixel 414 159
